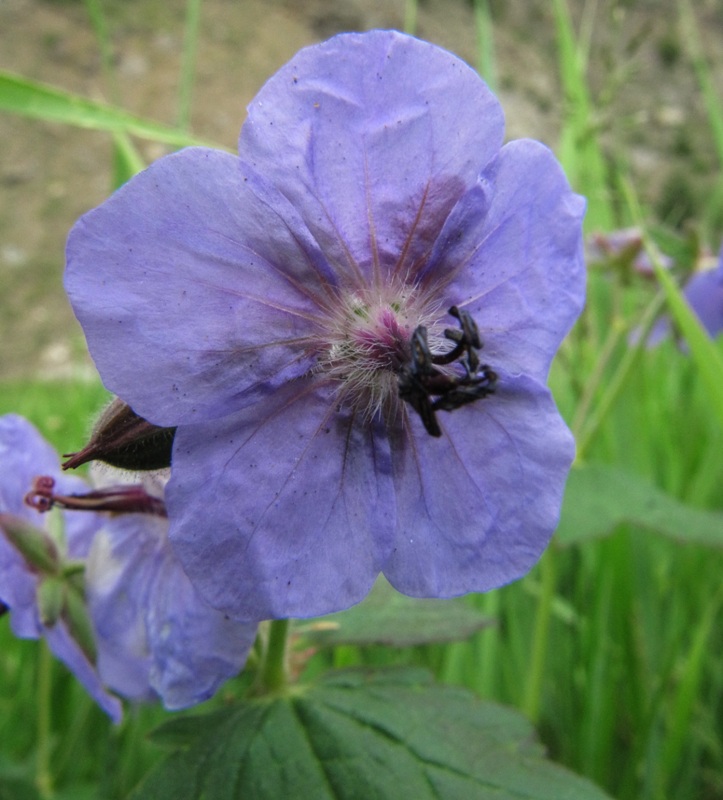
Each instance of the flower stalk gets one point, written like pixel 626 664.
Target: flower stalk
pixel 535 677
pixel 274 673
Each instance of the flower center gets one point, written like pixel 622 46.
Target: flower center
pixel 368 342
pixel 380 352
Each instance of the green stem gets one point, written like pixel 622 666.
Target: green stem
pixel 485 43
pixel 43 774
pixel 592 384
pixel 274 672
pixel 410 17
pixel 533 688
pixel 619 379
pixel 188 63
pixel 100 28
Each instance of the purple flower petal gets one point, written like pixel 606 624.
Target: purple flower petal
pixel 511 253
pixel 704 293
pixel 304 506
pixel 184 249
pixel 476 507
pixel 24 454
pixel 195 647
pixel 373 137
pixel 154 631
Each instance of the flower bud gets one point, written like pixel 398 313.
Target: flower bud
pixel 123 439
pixel 77 617
pixel 34 544
pixel 50 595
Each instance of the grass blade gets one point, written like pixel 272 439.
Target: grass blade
pixel 188 64
pixel 30 98
pixel 579 149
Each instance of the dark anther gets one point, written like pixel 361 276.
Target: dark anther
pixel 428 389
pixel 40 497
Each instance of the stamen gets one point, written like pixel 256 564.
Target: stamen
pixel 132 499
pixel 428 389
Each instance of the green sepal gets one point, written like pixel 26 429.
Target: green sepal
pixel 80 626
pixel 50 595
pixel 34 544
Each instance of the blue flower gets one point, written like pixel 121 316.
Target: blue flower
pixel 704 293
pixel 24 455
pixel 156 636
pixel 351 325
pixel 151 633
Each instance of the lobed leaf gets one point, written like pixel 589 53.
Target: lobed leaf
pixel 364 735
pixel 599 498
pixel 389 618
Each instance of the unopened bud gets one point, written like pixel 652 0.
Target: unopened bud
pixel 123 439
pixel 77 618
pixel 51 599
pixel 34 544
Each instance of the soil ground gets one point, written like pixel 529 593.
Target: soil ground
pixel 646 99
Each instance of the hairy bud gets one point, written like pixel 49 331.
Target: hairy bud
pixel 123 439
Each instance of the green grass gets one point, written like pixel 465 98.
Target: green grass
pixel 613 647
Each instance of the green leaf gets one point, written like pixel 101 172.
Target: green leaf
pixel 359 735
pixel 29 98
pixel 127 161
pixel 390 618
pixel 17 780
pixel 599 498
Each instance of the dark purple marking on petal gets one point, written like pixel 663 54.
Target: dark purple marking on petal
pixel 192 282
pixel 373 137
pixel 511 254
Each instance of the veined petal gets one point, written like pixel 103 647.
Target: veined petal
pixel 120 570
pixel 511 254
pixel 477 506
pixel 373 137
pixel 298 493
pixel 156 636
pixel 195 647
pixel 195 283
pixel 24 454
